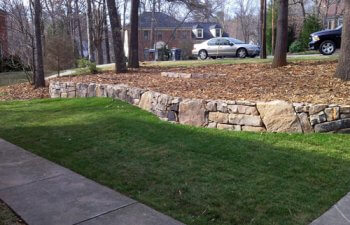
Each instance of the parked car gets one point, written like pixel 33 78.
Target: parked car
pixel 224 47
pixel 326 41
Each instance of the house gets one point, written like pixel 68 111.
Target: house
pixel 3 34
pixel 170 32
pixel 332 14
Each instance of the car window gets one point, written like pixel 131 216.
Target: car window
pixel 213 42
pixel 236 41
pixel 224 42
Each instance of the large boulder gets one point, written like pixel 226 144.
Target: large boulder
pixel 193 112
pixel 279 116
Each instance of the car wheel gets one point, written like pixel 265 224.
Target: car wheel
pixel 203 55
pixel 327 48
pixel 242 53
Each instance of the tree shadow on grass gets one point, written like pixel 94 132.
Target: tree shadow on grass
pixel 197 175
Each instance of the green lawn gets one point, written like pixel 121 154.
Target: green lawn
pixel 7 217
pixel 197 175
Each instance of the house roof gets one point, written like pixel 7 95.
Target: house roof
pixel 163 20
pixel 207 26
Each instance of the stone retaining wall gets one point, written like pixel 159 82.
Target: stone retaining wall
pixel 275 116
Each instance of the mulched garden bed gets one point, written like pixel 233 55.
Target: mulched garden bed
pixel 23 91
pixel 298 82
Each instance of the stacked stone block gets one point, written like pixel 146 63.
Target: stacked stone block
pixel 274 116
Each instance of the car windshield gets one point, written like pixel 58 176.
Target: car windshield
pixel 236 41
pixel 339 27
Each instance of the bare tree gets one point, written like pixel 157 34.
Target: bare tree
pixel 343 69
pixel 39 80
pixel 244 14
pixel 106 30
pixel 90 31
pixel 263 28
pixel 280 57
pixel 134 35
pixel 114 18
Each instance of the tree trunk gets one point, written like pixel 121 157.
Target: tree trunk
pixel 280 58
pixel 273 28
pixel 263 29
pixel 39 76
pixel 79 29
pixel 134 35
pixel 108 54
pixel 90 31
pixel 99 52
pixel 114 18
pixel 343 69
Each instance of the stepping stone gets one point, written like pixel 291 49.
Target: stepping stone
pixel 65 199
pixel 135 214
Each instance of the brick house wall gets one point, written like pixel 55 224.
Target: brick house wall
pixel 182 39
pixel 3 34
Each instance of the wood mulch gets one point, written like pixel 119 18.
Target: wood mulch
pixel 298 82
pixel 23 91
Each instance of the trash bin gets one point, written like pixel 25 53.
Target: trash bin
pixel 175 54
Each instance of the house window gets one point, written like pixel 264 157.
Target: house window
pixel 146 35
pixel 340 22
pixel 218 32
pixel 199 33
pixel 159 36
pixel 329 24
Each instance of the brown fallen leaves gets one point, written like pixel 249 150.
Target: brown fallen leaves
pixel 298 82
pixel 23 91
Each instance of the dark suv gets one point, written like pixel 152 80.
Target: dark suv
pixel 326 41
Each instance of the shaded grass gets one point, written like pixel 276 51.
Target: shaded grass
pixel 197 175
pixel 7 217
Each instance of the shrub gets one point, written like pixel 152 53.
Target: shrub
pixel 87 67
pixel 311 25
pixel 296 46
pixel 11 63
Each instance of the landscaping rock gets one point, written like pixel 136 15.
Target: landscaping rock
pixel 146 101
pixel 333 126
pixel 91 90
pixel 193 112
pixel 221 106
pixel 211 106
pixel 344 116
pixel 218 117
pixel 345 109
pixel 172 116
pixel 248 120
pixel 279 116
pixel 101 90
pixel 82 90
pixel 253 129
pixel 247 103
pixel 318 118
pixel 242 109
pixel 225 126
pixel 332 113
pixel 305 123
pixel 317 108
pixel 212 125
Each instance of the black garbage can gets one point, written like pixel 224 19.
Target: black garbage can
pixel 175 54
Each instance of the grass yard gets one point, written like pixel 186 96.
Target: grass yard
pixel 196 175
pixel 7 217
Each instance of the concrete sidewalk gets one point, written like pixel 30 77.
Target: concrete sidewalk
pixel 43 193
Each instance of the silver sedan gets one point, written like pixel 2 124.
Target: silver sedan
pixel 224 47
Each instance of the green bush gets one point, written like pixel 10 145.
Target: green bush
pixel 296 46
pixel 87 66
pixel 311 25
